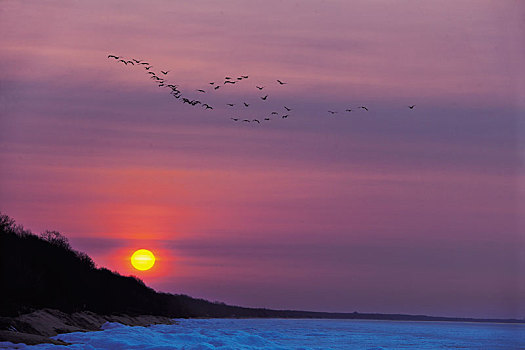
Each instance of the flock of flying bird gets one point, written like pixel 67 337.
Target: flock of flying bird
pixel 160 78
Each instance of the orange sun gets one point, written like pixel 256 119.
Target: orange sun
pixel 143 259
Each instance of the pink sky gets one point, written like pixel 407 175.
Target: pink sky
pixel 391 210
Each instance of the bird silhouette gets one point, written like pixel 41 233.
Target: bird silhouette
pixel 235 119
pixel 229 82
pixel 288 109
pixel 227 78
pixel 136 61
pixel 411 107
pixel 348 110
pixel 207 106
pixel 215 88
pixel 200 90
pixel 164 72
pixel 280 82
pixel 259 87
pixel 274 113
pixel 131 63
pixel 332 112
pixel 244 76
pixel 148 68
pixel 363 107
pixel 115 57
pixel 124 61
pixel 284 116
pixel 145 63
pixel 246 120
pixel 212 83
pixel 266 118
pixel 264 98
pixel 246 104
pixel 231 104
pixel 257 121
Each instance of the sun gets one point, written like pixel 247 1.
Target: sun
pixel 143 259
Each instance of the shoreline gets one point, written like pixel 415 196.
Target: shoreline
pixel 38 326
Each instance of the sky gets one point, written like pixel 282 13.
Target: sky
pixel 390 210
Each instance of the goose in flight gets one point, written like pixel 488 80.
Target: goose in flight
pixel 274 113
pixel 229 82
pixel 363 107
pixel 411 107
pixel 246 104
pixel 332 112
pixel 115 57
pixel 235 119
pixel 259 87
pixel 207 106
pixel 281 82
pixel 284 116
pixel 257 121
pixel 266 118
pixel 200 90
pixel 288 109
pixel 244 76
pixel 349 110
pixel 231 104
pixel 264 98
pixel 164 72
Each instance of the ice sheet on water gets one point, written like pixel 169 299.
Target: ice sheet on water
pixel 275 334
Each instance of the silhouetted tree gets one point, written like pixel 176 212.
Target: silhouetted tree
pixel 6 223
pixel 56 238
pixel 85 259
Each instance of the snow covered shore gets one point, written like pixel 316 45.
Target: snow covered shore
pixel 292 334
pixel 37 327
